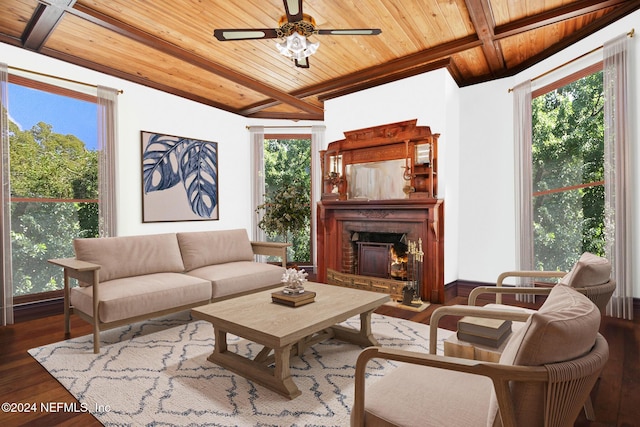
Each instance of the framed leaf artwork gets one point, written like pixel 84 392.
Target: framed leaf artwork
pixel 179 178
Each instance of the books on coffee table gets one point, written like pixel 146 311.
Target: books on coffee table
pixel 293 300
pixel 483 331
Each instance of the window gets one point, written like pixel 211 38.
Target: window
pixel 287 207
pixel 568 170
pixel 54 181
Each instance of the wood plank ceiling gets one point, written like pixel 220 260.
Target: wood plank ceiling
pixel 169 44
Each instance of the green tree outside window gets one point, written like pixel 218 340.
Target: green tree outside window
pixel 287 207
pixel 47 168
pixel 568 173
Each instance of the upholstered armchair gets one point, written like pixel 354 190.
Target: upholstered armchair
pixel 590 275
pixel 544 376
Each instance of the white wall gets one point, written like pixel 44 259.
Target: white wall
pixel 486 223
pixel 433 99
pixel 420 97
pixel 141 108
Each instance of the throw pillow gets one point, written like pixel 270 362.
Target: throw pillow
pixel 590 270
pixel 563 329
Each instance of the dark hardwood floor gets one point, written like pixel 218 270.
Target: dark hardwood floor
pixel 616 397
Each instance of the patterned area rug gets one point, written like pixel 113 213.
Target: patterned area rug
pixel 156 373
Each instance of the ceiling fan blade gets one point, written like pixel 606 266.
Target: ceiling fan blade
pixel 245 34
pixel 352 32
pixel 294 10
pixel 302 63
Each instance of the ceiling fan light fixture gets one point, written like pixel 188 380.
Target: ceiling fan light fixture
pixel 294 29
pixel 296 46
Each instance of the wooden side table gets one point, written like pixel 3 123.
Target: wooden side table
pixel 456 348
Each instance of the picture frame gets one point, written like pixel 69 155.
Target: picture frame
pixel 179 178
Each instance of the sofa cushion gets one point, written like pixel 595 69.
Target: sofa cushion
pixel 590 270
pixel 140 295
pixel 127 256
pixel 202 248
pixel 413 395
pixel 563 329
pixel 239 277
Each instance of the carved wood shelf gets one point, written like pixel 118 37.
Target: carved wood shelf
pixel 395 141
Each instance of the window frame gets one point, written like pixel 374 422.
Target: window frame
pixel 541 91
pixel 309 136
pixel 36 297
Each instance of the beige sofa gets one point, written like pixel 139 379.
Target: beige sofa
pixel 130 278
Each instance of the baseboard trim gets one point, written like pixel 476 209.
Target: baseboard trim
pixel 38 309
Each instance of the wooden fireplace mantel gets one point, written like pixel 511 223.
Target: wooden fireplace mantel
pixel 393 141
pixel 417 218
pixel 418 215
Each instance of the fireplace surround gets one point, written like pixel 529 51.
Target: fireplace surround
pixel 383 180
pixel 417 219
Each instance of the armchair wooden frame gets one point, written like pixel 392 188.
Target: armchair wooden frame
pixel 523 273
pixel 598 294
pixel 567 384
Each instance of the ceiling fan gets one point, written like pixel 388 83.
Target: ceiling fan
pixel 293 29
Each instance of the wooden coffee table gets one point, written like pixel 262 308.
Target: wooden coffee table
pixel 286 331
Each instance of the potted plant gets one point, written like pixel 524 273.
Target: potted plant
pixel 285 211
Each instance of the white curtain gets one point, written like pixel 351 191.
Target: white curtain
pixel 256 139
pixel 317 144
pixel 107 134
pixel 522 125
pixel 617 170
pixel 6 296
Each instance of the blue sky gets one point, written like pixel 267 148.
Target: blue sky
pixel 67 115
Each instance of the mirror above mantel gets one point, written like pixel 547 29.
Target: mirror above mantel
pixel 392 161
pixel 376 180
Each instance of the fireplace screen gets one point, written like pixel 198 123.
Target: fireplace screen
pixel 380 255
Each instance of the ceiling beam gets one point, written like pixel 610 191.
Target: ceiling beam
pixel 149 40
pixel 44 20
pixel 455 73
pixel 620 12
pixel 388 78
pixel 417 59
pixel 14 41
pixel 285 116
pixel 549 17
pixel 134 78
pixel 484 24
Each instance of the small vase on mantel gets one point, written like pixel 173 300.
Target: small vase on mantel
pixel 293 280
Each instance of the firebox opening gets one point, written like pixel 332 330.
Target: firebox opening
pixel 380 254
